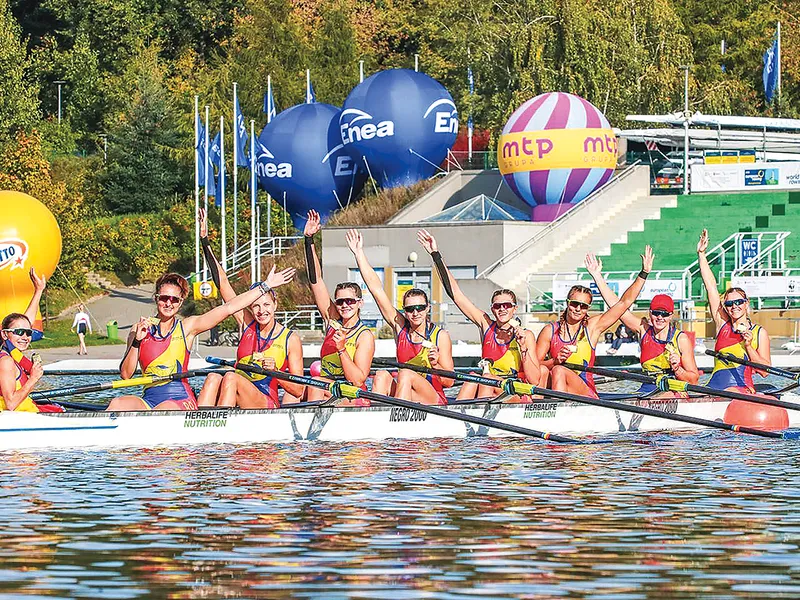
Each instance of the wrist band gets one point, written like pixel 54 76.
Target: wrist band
pixel 265 289
pixel 643 274
pixel 342 350
pixel 308 242
pixel 136 343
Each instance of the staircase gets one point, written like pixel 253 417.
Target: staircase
pixel 604 218
pixel 98 280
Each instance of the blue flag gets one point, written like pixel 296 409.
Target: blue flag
pixel 218 191
pixel 213 151
pixel 471 82
pixel 269 108
pixel 200 152
pixel 772 65
pixel 242 139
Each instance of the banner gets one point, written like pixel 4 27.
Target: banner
pixel 670 287
pixel 772 286
pixel 744 176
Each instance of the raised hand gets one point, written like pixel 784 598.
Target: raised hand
pixel 279 278
pixel 312 224
pixel 702 244
pixel 593 264
pixel 39 283
pixel 647 259
pixel 428 241
pixel 141 327
pixel 339 338
pixel 203 223
pixel 355 241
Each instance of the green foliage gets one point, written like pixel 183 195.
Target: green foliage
pixel 19 106
pixel 142 173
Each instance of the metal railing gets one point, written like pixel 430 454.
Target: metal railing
pixel 268 247
pixel 305 316
pixel 461 160
pixel 575 211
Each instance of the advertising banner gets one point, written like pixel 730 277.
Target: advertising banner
pixel 671 287
pixel 745 176
pixel 773 286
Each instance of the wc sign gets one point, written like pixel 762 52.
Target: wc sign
pixel 748 250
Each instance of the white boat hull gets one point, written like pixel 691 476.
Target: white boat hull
pixel 20 431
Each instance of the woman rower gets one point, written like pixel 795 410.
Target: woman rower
pixel 347 350
pixel 582 333
pixel 419 342
pixel 665 349
pixel 736 333
pixel 506 345
pixel 264 342
pixel 18 373
pixel 160 344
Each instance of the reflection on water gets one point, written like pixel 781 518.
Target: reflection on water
pixel 703 514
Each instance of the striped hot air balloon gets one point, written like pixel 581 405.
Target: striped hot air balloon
pixel 554 151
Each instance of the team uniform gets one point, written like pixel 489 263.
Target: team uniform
pixel 23 365
pixel 331 362
pixel 160 356
pixel 731 375
pixel 505 359
pixel 253 349
pixel 584 355
pixel 655 356
pixel 416 354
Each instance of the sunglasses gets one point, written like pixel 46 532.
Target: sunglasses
pixel 506 305
pixel 165 298
pixel 345 301
pixel 20 331
pixel 660 313
pixel 737 302
pixel 412 308
pixel 578 304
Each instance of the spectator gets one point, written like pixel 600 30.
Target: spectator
pixel 82 323
pixel 623 335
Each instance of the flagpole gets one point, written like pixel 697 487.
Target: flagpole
pixel 779 67
pixel 258 241
pixel 416 62
pixel 361 71
pixel 205 191
pixel 269 120
pixel 308 86
pixel 235 177
pixel 285 224
pixel 224 248
pixel 253 201
pixel 196 186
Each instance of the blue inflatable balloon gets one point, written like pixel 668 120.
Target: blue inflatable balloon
pixel 402 122
pixel 300 154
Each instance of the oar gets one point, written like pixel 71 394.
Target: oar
pixel 514 386
pixel 339 389
pixel 749 363
pixel 44 395
pixel 668 384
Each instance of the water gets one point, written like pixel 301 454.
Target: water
pixel 705 514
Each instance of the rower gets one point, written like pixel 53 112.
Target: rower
pixel 264 342
pixel 665 350
pixel 736 333
pixel 506 345
pixel 573 338
pixel 349 346
pixel 419 342
pixel 18 373
pixel 160 345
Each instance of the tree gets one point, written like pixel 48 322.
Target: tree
pixel 19 106
pixel 142 172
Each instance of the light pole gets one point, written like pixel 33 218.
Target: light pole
pixel 104 137
pixel 59 84
pixel 686 116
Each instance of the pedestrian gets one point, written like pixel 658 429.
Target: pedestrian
pixel 81 324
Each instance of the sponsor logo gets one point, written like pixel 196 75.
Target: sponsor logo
pixel 266 166
pixel 13 253
pixel 540 410
pixel 407 414
pixel 206 418
pixel 445 121
pixel 343 164
pixel 761 177
pixel 557 149
pixel 357 125
pixel 205 289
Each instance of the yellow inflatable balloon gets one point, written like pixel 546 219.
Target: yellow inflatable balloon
pixel 29 237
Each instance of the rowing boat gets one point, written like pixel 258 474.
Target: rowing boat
pixel 337 424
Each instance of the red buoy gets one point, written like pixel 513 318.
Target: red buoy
pixel 759 416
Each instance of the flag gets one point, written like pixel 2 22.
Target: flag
pixel 241 139
pixel 200 151
pixel 213 151
pixel 217 193
pixel 471 81
pixel 772 65
pixel 269 104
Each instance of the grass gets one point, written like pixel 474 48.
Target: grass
pixel 58 299
pixel 57 334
